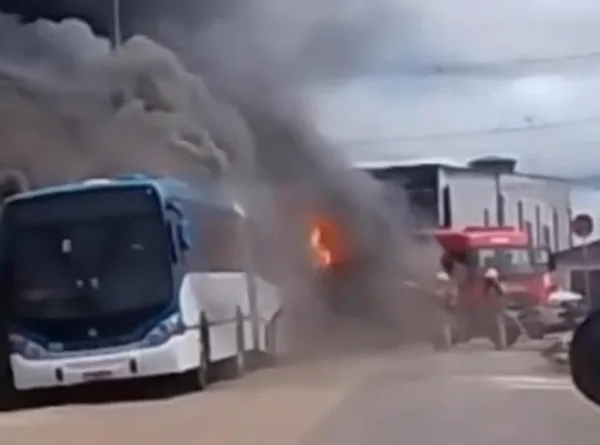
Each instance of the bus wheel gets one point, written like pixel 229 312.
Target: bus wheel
pixel 235 367
pixel 10 400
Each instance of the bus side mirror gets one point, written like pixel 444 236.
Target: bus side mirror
pixel 175 207
pixel 173 245
pixel 184 239
pixel 584 359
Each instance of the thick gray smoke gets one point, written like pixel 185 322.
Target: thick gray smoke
pixel 222 101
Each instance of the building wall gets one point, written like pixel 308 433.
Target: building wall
pixel 472 197
pixel 415 186
pixel 573 262
pixel 538 205
pixel 573 277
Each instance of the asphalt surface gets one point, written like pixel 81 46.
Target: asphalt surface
pixel 467 397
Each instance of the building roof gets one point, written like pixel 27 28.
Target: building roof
pixel 395 163
pixel 444 164
pixel 580 253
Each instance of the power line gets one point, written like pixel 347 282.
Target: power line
pixel 491 67
pixel 470 134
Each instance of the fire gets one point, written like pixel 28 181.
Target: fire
pixel 326 242
pixel 322 254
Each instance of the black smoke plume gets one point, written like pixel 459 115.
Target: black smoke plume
pixel 212 89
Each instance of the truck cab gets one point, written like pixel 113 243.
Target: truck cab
pixel 525 273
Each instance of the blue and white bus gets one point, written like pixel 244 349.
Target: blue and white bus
pixel 111 279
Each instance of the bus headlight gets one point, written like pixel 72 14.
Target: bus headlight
pixel 25 347
pixel 167 328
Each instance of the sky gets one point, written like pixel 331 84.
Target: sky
pixel 378 72
pixel 389 78
pixel 465 74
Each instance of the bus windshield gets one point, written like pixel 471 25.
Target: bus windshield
pixel 506 259
pixel 88 269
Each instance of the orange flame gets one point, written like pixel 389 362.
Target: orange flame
pixel 326 242
pixel 322 254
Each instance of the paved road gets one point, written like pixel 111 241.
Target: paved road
pixel 467 397
pixel 274 406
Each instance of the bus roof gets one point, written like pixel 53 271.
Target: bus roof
pixel 207 193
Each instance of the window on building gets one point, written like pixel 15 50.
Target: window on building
pixel 538 225
pixel 521 215
pixel 486 217
pixel 555 229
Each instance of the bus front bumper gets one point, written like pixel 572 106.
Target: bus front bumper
pixel 178 355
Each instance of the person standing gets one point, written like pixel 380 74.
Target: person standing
pixel 494 308
pixel 446 294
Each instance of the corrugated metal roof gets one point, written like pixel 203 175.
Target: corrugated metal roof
pixel 392 163
pixel 576 255
pixel 448 164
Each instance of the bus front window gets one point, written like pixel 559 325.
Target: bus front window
pixel 82 270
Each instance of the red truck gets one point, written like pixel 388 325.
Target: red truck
pixel 525 273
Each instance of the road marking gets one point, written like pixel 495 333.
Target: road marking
pixel 532 382
pixel 523 382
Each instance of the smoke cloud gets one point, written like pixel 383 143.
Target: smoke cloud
pixel 196 92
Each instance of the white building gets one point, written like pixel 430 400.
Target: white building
pixel 486 192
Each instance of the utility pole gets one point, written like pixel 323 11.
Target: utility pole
pixel 499 200
pixel 116 37
pixel 117 96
